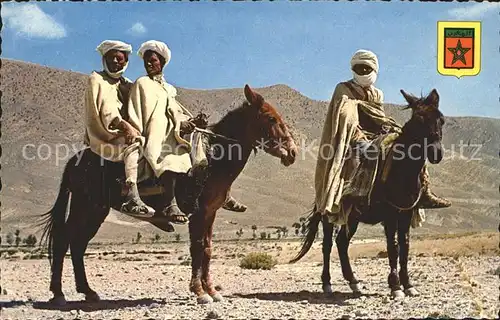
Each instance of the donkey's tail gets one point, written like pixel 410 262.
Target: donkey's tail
pixel 313 219
pixel 53 221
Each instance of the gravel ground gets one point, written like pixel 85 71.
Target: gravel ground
pixel 155 286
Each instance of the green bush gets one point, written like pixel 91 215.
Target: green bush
pixel 138 237
pixel 18 237
pixel 156 238
pixel 30 241
pixel 258 261
pixel 10 238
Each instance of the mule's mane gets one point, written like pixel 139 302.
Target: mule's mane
pixel 230 125
pixel 418 102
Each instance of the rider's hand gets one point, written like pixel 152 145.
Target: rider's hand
pixel 200 121
pixel 187 127
pixel 129 132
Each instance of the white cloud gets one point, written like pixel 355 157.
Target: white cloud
pixel 138 29
pixel 30 21
pixel 475 11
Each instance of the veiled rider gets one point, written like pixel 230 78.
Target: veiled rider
pixel 356 125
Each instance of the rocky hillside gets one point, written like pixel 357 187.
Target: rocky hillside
pixel 44 106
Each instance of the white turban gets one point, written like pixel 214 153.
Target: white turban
pixel 108 45
pixel 156 46
pixel 365 57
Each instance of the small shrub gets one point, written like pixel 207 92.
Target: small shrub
pixel 279 233
pixel 186 262
pixel 239 233
pixel 177 237
pixel 382 254
pixel 10 239
pixel 30 241
pixel 138 237
pixel 284 231
pixel 258 261
pixel 495 272
pixel 156 238
pixel 18 238
pixel 263 236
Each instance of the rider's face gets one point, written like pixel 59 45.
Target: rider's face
pixel 115 60
pixel 153 63
pixel 362 69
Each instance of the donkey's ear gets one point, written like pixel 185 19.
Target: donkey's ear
pixel 432 99
pixel 411 99
pixel 253 98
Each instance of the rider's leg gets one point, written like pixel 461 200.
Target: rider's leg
pixel 133 204
pixel 429 200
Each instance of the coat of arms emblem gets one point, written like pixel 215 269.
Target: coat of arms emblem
pixel 459 48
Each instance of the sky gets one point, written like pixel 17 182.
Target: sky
pixel 305 45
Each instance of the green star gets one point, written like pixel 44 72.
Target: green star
pixel 459 53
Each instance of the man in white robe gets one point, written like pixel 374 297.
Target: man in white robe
pixel 107 131
pixel 353 124
pixel 162 122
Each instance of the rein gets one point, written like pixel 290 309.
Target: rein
pixel 216 135
pixel 410 207
pixel 213 134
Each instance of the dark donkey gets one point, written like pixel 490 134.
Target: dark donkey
pixel 393 203
pixel 95 187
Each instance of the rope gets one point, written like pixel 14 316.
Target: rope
pixel 410 207
pixel 214 134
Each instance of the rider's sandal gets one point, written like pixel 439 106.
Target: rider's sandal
pixel 175 215
pixel 135 208
pixel 233 205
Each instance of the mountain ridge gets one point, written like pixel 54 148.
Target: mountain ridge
pixel 46 108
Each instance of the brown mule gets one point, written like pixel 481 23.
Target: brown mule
pixel 256 124
pixel 95 187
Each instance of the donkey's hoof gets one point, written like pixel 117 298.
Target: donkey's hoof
pixel 92 297
pixel 217 297
pixel 204 299
pixel 58 301
pixel 327 288
pixel 412 292
pixel 355 287
pixel 398 294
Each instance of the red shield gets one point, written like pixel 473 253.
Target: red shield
pixel 459 48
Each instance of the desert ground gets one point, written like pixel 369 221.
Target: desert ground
pixel 456 275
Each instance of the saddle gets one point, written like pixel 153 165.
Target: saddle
pixel 361 189
pixel 149 187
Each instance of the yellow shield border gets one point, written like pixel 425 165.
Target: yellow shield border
pixel 476 25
